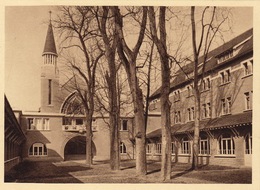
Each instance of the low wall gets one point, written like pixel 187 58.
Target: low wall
pixel 11 163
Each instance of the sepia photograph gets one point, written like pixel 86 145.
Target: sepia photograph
pixel 128 94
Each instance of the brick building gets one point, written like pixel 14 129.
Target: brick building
pixel 56 131
pixel 226 108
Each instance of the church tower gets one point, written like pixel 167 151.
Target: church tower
pixel 49 74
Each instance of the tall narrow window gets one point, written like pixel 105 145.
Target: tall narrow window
pixel 50 92
pixel 248 143
pixel 248 67
pixel 30 124
pixel 45 124
pixel 122 148
pixel 185 146
pixel 173 147
pixel 227 76
pixel 176 96
pixel 177 117
pixel 158 148
pixel 208 83
pixel 38 123
pixel 208 109
pixel 124 125
pixel 149 148
pixel 204 145
pixel 248 103
pixel 204 111
pixel 191 114
pixel 228 105
pixel 189 90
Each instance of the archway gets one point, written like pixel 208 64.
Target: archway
pixel 75 149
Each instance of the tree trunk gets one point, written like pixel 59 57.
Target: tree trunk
pixel 166 137
pixel 140 133
pixel 114 142
pixel 165 90
pixel 165 121
pixel 196 131
pixel 113 96
pixel 196 94
pixel 128 58
pixel 113 116
pixel 89 155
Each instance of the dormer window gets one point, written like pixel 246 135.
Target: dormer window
pixel 225 56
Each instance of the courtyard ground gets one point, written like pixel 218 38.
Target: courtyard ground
pixel 77 172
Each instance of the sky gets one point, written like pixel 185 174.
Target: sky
pixel 25 33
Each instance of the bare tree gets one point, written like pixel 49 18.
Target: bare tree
pixel 76 27
pixel 103 16
pixel 160 42
pixel 210 27
pixel 128 58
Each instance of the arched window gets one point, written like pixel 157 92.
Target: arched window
pixel 248 143
pixel 122 148
pixel 204 145
pixel 185 146
pixel 226 144
pixel 38 149
pixel 73 105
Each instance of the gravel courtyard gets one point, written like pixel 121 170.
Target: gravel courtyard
pixel 77 172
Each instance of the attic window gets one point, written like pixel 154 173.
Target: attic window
pixel 225 56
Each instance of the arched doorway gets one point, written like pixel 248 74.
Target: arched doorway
pixel 75 149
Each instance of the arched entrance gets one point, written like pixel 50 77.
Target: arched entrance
pixel 75 149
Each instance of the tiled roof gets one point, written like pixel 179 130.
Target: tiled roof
pixel 212 64
pixel 227 121
pixel 49 46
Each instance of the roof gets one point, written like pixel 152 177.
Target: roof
pixel 227 121
pixel 49 47
pixel 12 126
pixel 212 64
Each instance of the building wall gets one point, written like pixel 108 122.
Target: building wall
pixel 235 89
pixel 56 138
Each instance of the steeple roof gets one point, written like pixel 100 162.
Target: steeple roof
pixel 49 47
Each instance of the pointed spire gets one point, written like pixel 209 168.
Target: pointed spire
pixel 49 47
